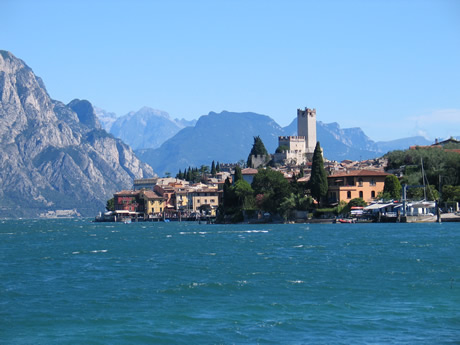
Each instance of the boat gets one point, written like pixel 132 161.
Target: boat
pixel 345 221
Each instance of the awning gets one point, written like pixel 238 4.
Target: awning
pixel 377 206
pixel 422 204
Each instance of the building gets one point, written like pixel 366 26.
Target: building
pixel 298 150
pixel 292 151
pixel 205 199
pixel 152 202
pixel 126 200
pixel 144 183
pixel 364 184
pixel 306 127
pixel 248 174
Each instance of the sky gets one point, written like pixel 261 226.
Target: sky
pixel 390 67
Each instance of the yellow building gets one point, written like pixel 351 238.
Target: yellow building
pixel 204 199
pixel 153 203
pixel 364 184
pixel 182 200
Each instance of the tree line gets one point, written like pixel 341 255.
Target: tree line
pixel 194 175
pixel 438 168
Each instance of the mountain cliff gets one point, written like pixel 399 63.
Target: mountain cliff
pixel 55 156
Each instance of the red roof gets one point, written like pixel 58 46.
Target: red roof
pixel 353 173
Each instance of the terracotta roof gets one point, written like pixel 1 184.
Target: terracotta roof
pixel 360 173
pixel 249 171
pixel 152 195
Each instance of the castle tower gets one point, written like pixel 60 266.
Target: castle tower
pixel 306 127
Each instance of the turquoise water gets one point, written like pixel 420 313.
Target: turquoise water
pixel 77 282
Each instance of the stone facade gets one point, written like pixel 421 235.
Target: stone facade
pixel 295 155
pixel 306 127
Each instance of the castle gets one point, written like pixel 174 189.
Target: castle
pixel 298 150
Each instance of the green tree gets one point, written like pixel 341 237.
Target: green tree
pixel 451 193
pixel 281 148
pixel 274 188
pixel 437 162
pixel 392 187
pixel 213 169
pixel 258 149
pixel 238 174
pixel 110 206
pixel 318 180
pixel 229 196
pixel 217 166
pixel 245 194
pixel 357 202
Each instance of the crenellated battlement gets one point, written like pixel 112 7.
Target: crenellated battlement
pixel 291 138
pixel 306 112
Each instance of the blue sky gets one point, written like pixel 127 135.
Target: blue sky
pixel 390 67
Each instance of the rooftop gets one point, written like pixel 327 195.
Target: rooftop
pixel 360 173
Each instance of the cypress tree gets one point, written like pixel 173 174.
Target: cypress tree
pixel 213 169
pixel 318 179
pixel 238 174
pixel 218 167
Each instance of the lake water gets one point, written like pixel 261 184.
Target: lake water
pixel 77 282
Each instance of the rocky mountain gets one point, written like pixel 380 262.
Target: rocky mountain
pixel 145 128
pixel 55 156
pixel 106 119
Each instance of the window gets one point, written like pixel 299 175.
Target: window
pixel 350 181
pixel 372 182
pixel 361 194
pixel 212 200
pixel 348 195
pixel 373 194
pixel 360 182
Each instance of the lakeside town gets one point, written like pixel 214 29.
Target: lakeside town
pixel 351 191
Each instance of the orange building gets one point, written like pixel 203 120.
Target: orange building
pixel 364 184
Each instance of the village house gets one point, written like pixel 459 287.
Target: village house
pixel 206 199
pixel 364 184
pixel 126 200
pixel 152 202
